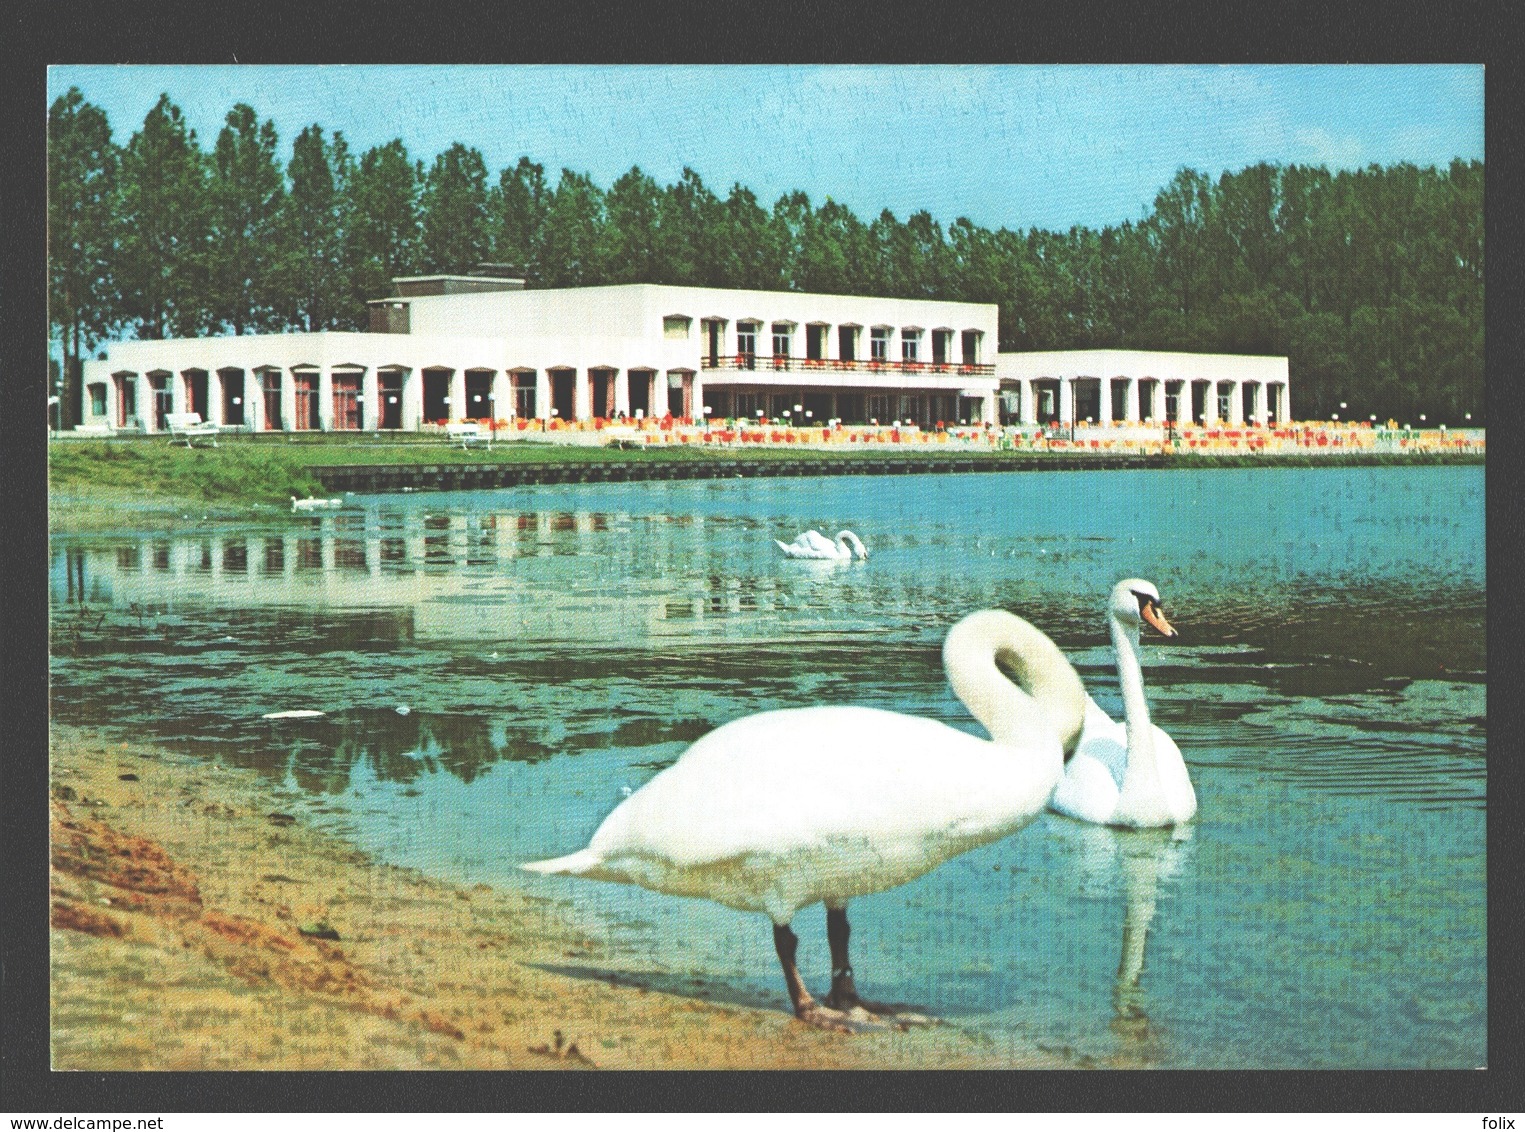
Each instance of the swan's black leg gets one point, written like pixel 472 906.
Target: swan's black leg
pixel 844 994
pixel 806 1009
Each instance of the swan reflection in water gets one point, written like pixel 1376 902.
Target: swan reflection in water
pixel 1133 863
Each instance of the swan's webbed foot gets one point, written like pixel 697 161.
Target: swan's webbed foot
pixel 844 998
pixel 842 1012
pixel 823 1017
pixel 844 994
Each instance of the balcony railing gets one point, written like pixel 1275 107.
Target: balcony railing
pixel 779 363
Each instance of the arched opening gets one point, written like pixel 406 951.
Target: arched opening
pixel 601 390
pixel 1198 402
pixel 564 393
pixel 164 398
pixel 437 394
pixel 1046 400
pixel 269 380
pixel 126 398
pixel 389 390
pixel 232 380
pixel 349 409
pixel 640 392
pixel 307 418
pixel 479 403
pixel 196 393
pixel 524 407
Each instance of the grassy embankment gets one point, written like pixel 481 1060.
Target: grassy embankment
pixel 146 473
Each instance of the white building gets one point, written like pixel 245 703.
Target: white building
pixel 1070 386
pixel 480 348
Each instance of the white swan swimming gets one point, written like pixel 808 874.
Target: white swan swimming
pixel 777 811
pixel 1131 773
pixel 316 504
pixel 813 544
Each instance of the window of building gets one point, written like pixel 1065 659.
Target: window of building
pixel 910 344
pixel 746 343
pixel 389 389
pixel 879 344
pixel 270 390
pixel 306 401
pixel 639 386
pixel 346 394
pixel 815 342
pixel 942 346
pixel 972 347
pixel 847 343
pixel 714 331
pixel 164 403
pixel 126 399
pixel 782 333
pixel 98 398
pixel 676 326
pixel 524 394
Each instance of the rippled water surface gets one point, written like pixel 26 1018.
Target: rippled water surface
pixel 498 667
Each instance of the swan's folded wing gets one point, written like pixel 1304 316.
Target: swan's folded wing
pixel 1087 792
pixel 816 541
pixel 793 782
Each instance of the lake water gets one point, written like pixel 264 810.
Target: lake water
pixel 555 646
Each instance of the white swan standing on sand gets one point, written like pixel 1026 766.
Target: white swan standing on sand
pixel 777 811
pixel 1131 773
pixel 813 544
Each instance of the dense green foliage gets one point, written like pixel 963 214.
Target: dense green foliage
pixel 1370 281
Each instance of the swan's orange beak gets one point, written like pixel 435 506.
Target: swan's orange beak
pixel 1156 617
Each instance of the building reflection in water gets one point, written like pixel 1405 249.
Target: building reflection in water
pixel 594 576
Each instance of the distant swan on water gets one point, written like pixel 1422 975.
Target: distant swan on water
pixel 780 810
pixel 316 504
pixel 1127 773
pixel 813 544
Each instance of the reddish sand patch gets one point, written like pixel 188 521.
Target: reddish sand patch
pixel 93 850
pixel 76 917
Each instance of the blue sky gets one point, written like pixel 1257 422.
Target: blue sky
pixel 1017 146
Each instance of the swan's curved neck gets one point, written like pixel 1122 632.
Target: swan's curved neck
pixel 848 542
pixel 1142 772
pixel 1047 697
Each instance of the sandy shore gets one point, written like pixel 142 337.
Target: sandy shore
pixel 198 926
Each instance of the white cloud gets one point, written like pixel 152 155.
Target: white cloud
pixel 1320 147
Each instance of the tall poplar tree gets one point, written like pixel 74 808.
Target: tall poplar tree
pixel 247 203
pixel 517 209
pixel 453 207
pixel 82 173
pixel 164 228
pixel 690 233
pixel 382 238
pixel 311 275
pixel 573 233
pixel 1181 211
pixel 632 237
pixel 747 254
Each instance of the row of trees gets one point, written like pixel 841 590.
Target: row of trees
pixel 1370 281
